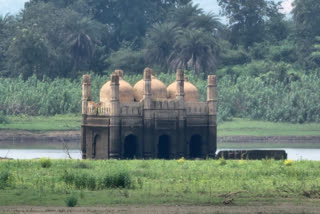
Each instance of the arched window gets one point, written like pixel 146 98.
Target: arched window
pixel 94 146
pixel 130 147
pixel 195 146
pixel 164 147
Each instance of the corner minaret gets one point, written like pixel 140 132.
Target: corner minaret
pixel 180 84
pixel 86 96
pixel 86 92
pixel 115 145
pixel 212 109
pixel 148 117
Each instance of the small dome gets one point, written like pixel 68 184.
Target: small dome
pixel 190 91
pixel 158 89
pixel 125 90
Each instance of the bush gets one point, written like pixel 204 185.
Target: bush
pixel 117 179
pixel 81 165
pixel 71 201
pixel 45 162
pixel 4 177
pixel 3 118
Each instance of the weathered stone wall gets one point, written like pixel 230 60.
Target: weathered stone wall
pixel 159 128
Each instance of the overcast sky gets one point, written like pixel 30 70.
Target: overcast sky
pixel 14 6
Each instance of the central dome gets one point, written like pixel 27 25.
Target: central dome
pixel 125 90
pixel 158 89
pixel 190 91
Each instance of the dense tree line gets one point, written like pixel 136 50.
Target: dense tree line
pixel 63 39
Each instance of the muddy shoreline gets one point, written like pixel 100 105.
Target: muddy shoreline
pixel 16 137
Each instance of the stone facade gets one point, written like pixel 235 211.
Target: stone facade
pixel 151 127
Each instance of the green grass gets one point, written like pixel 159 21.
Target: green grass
pixel 235 127
pixel 203 182
pixel 42 123
pixel 245 127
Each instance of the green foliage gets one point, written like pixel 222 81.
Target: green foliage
pixel 128 60
pixel 45 162
pixel 117 179
pixel 258 90
pixel 4 177
pixel 3 118
pixel 71 201
pixel 247 19
pixel 112 178
pixel 193 182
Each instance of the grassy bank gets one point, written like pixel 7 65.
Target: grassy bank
pixel 212 182
pixel 235 127
pixel 42 123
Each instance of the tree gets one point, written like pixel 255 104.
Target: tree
pixel 315 55
pixel 247 19
pixel 195 49
pixel 7 29
pixel 306 19
pixel 160 42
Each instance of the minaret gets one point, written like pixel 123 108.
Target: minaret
pixel 212 107
pixel 147 113
pixel 180 84
pixel 86 92
pixel 181 147
pixel 86 96
pixel 115 144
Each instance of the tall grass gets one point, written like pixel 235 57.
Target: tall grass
pixel 248 97
pixel 157 181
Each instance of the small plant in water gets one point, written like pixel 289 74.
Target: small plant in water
pixel 288 162
pixel 45 162
pixel 71 201
pixel 181 160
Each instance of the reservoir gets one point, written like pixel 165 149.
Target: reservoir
pixel 293 153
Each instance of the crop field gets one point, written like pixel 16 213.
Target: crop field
pixel 48 182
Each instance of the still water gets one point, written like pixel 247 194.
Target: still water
pixel 294 154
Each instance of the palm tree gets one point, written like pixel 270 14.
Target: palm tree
pixel 82 36
pixel 160 42
pixel 208 22
pixel 195 49
pixel 183 16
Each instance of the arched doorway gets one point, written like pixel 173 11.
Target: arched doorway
pixel 164 147
pixel 94 146
pixel 195 146
pixel 130 147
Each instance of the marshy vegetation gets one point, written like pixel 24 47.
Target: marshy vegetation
pixel 249 97
pixel 83 183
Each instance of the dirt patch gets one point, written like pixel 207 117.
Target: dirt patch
pixel 282 208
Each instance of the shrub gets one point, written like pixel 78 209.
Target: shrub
pixel 117 179
pixel 81 165
pixel 45 162
pixel 71 201
pixel 4 177
pixel 3 118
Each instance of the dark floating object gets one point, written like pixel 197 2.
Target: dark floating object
pixel 252 154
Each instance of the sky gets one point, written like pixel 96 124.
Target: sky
pixel 14 6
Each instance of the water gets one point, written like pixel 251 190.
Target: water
pixel 293 154
pixel 39 153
